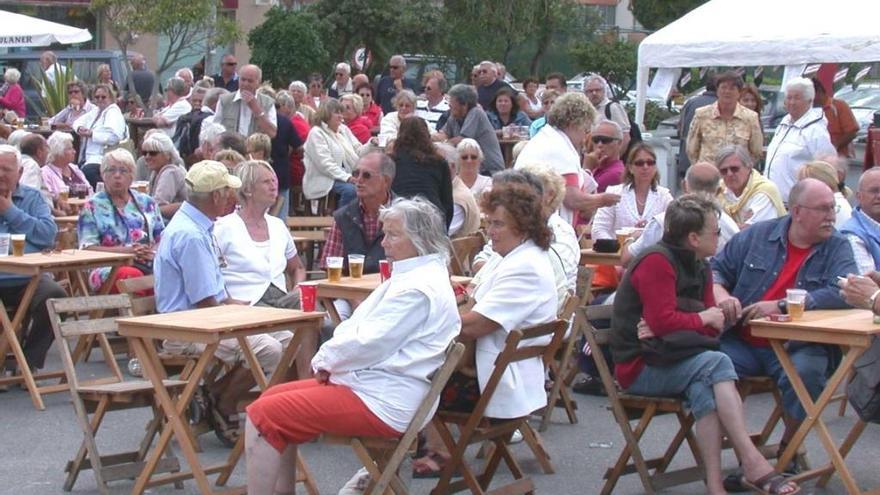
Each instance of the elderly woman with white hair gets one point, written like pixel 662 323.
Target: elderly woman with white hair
pixel 298 90
pixel 470 159
pixel 13 99
pixel 801 136
pixel 372 375
pixel 352 115
pixel 465 209
pixel 404 107
pixel 60 172
pixel 120 219
pixel 167 185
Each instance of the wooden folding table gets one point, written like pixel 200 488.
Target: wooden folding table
pixel 35 265
pixel 207 326
pixel 851 329
pixel 590 257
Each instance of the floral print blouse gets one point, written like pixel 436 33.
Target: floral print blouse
pixel 101 223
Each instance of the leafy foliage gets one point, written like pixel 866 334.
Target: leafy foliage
pixel 288 45
pixel 616 60
pixel 53 93
pixel 654 14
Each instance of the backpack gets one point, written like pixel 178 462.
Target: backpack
pixel 635 134
pixel 186 134
pixel 864 389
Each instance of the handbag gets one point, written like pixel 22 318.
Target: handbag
pixel 675 346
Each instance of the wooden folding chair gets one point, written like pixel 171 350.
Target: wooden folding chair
pixel 464 249
pixel 103 395
pixel 474 427
pixel 627 408
pixel 381 456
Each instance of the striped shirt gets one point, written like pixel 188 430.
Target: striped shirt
pixel 435 116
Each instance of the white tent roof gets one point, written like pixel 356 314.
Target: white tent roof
pixel 21 30
pixel 763 32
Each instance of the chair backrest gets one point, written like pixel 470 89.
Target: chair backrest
pixel 309 223
pixel 568 307
pixel 584 284
pixel 72 309
pixel 596 338
pixel 463 251
pixel 140 305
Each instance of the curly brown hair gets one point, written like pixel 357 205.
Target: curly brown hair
pixel 413 138
pixel 524 209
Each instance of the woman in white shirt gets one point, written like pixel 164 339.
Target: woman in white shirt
pixel 330 154
pixel 470 158
pixel 102 127
pixel 259 253
pixel 404 107
pixel 640 195
pixel 372 375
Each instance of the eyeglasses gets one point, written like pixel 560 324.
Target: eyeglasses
pixel 470 157
pixel 100 97
pixel 117 170
pixel 340 74
pixel 729 170
pixel 361 174
pixel 644 163
pixel 151 152
pixel 233 64
pixel 73 91
pixel 602 139
pixel 394 67
pixel 823 209
pixel 874 191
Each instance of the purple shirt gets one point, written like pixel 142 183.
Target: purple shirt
pixel 608 175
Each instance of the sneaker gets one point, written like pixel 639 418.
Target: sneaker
pixel 517 437
pixel 357 484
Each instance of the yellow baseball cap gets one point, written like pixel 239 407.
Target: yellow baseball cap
pixel 208 175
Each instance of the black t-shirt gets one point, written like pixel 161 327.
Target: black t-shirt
pixel 429 178
pixel 486 93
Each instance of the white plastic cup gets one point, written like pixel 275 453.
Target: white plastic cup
pixel 4 244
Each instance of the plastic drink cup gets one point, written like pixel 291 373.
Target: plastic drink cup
pixel 4 244
pixel 308 292
pixel 796 300
pixel 356 265
pixel 334 268
pixel 384 270
pixel 17 244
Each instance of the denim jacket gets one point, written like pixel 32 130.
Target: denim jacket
pixel 752 259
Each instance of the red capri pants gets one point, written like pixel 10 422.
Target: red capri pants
pixel 297 412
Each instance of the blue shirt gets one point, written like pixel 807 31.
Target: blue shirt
pixel 187 266
pixel 28 215
pixel 752 259
pixel 536 126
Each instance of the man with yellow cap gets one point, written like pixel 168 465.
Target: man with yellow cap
pixel 187 271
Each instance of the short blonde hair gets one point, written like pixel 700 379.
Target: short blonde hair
pixel 119 156
pixel 470 144
pixel 12 75
pixel 247 171
pixel 820 170
pixel 357 103
pixel 404 95
pixel 228 156
pixel 259 142
pixel 553 182
pixel 571 109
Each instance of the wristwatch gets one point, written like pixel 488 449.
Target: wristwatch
pixel 782 304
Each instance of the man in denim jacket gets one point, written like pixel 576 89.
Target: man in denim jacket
pixel 751 275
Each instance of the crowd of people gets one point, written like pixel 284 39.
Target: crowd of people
pixel 410 165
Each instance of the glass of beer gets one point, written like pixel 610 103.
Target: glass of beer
pixel 622 235
pixel 142 186
pixel 334 268
pixel 63 193
pixel 796 300
pixel 356 265
pixel 17 244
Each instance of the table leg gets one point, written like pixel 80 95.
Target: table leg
pixel 154 371
pixel 814 411
pixel 327 303
pixel 11 330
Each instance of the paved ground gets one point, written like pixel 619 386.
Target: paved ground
pixel 36 446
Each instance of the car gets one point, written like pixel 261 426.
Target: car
pixel 84 63
pixel 418 65
pixel 864 100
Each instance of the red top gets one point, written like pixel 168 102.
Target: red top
pixel 297 167
pixel 373 113
pixel 14 100
pixel 654 280
pixel 360 127
pixel 794 258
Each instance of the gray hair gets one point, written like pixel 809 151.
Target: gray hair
pixel 254 67
pixel 465 94
pixel 120 156
pixel 210 132
pixel 697 183
pixel 511 176
pixel 423 224
pixel 398 58
pixel 248 172
pixel 387 167
pixel 8 149
pixel 15 138
pixel 12 75
pixel 58 143
pixel 212 95
pixel 618 132
pixel 284 98
pixel 470 144
pixel 597 77
pixel 407 95
pixel 184 70
pixel 177 85
pixel 357 103
pixel 298 85
pixel 163 144
pixel 802 84
pixel 736 150
pixel 344 67
pixel 866 173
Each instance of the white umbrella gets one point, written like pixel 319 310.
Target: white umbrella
pixel 22 30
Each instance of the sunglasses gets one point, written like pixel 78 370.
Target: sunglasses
pixel 602 139
pixel 100 97
pixel 74 92
pixel 362 174
pixel 645 163
pixel 394 67
pixel 729 170
pixel 339 74
pixel 230 63
pixel 151 153
pixel 117 170
pixel 469 157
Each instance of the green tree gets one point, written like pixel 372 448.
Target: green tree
pixel 615 60
pixel 288 45
pixel 654 14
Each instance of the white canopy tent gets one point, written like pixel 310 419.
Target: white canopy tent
pixel 21 30
pixel 762 32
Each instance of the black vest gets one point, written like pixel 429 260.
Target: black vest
pixel 690 283
pixel 354 241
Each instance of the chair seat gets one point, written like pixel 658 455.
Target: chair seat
pixel 132 387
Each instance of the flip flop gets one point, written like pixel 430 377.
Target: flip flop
pixel 771 484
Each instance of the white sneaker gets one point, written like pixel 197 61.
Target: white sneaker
pixel 517 437
pixel 357 484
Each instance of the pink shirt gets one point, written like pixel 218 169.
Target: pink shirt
pixel 54 180
pixel 610 174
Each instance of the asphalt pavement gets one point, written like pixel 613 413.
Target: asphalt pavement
pixel 37 444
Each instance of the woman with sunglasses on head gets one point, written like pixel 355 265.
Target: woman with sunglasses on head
pixel 641 197
pixel 748 196
pixel 167 184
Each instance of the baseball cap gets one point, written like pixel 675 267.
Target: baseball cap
pixel 208 175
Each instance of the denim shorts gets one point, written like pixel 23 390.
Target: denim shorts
pixel 692 378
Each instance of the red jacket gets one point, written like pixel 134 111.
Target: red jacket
pixel 14 100
pixel 297 167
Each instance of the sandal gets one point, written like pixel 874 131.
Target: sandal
pixel 226 428
pixel 771 483
pixel 430 466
